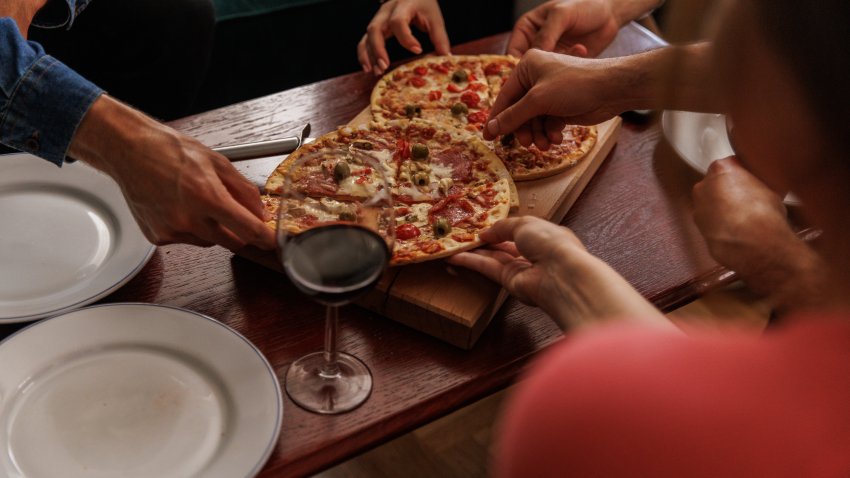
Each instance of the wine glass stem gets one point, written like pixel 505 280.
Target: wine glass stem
pixel 330 369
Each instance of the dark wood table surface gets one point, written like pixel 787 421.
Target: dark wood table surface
pixel 634 214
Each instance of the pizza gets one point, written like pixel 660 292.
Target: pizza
pixel 446 184
pixel 459 91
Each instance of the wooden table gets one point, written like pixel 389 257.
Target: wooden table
pixel 634 215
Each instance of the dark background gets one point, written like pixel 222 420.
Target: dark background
pixel 260 55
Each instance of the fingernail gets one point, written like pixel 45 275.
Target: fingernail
pixel 376 70
pixel 417 50
pixel 493 127
pixel 365 67
pixel 382 64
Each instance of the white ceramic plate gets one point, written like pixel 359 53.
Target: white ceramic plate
pixel 700 139
pixel 137 391
pixel 67 238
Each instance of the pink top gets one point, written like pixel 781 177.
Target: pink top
pixel 626 401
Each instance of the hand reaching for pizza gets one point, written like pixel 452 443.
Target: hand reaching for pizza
pixel 575 27
pixel 543 264
pixel 178 189
pixel 393 20
pixel 546 92
pixel 744 224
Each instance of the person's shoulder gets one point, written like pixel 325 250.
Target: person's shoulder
pixel 621 398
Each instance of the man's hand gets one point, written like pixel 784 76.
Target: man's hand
pixel 394 19
pixel 739 217
pixel 547 91
pixel 575 27
pixel 745 226
pixel 543 264
pixel 178 189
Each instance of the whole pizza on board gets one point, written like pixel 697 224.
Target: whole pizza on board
pixel 446 184
pixel 459 91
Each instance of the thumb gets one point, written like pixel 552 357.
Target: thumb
pixel 725 165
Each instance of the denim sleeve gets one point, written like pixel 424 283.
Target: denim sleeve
pixel 59 13
pixel 42 101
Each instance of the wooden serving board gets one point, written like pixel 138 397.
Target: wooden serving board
pixel 451 303
pixel 454 304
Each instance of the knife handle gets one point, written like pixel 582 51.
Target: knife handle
pixel 259 150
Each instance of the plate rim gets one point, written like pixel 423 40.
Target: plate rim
pixel 667 119
pixel 120 210
pixel 278 424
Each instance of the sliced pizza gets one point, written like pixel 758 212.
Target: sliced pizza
pixel 446 184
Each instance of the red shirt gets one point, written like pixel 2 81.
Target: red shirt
pixel 625 401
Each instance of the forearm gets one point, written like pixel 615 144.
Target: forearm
pixel 592 293
pixel 109 132
pixel 678 78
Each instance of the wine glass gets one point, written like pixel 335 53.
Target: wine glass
pixel 335 232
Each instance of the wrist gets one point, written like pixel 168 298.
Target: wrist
pixel 585 291
pixel 108 132
pixel 631 82
pixel 792 277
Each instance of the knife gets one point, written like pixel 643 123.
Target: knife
pixel 264 148
pixel 266 159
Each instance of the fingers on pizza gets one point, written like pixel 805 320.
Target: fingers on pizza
pixel 459 91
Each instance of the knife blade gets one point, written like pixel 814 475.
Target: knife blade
pixel 258 170
pixel 264 148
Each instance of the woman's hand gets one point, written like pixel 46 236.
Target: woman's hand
pixel 543 264
pixel 393 20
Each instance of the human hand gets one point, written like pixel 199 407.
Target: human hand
pixel 575 27
pixel 394 19
pixel 547 91
pixel 524 256
pixel 178 189
pixel 745 226
pixel 544 264
pixel 741 219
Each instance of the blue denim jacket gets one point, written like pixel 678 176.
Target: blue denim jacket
pixel 42 101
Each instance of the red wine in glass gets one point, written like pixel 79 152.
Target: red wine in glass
pixel 333 249
pixel 336 263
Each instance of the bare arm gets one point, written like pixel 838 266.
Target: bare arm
pixel 178 189
pixel 548 90
pixel 22 11
pixel 543 264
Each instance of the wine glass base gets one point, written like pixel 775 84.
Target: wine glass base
pixel 312 390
